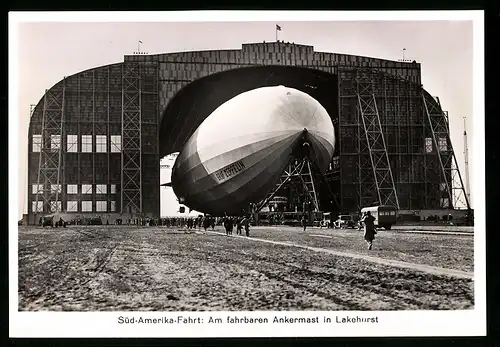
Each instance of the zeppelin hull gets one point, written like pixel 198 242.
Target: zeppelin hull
pixel 239 152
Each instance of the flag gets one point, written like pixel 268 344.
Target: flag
pixel 140 41
pixel 278 27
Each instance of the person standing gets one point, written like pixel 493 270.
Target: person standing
pixel 369 223
pixel 239 226
pixel 231 225
pixel 225 225
pixel 360 221
pixel 206 223
pixel 303 222
pixel 246 223
pixel 228 224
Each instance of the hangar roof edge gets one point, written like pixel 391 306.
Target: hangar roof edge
pixel 247 46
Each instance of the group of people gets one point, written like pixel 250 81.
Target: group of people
pixel 240 222
pixel 201 221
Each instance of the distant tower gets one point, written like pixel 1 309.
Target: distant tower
pixel 466 155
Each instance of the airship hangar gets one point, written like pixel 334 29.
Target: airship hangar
pixel 96 138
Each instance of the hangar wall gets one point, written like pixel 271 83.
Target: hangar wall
pixel 93 144
pixel 108 119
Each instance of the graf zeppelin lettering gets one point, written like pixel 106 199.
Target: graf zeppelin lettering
pixel 229 171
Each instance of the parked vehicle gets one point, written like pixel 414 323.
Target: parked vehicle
pixel 47 221
pixel 344 221
pixel 326 222
pixel 385 216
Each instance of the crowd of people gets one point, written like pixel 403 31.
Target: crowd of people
pixel 200 222
pixel 207 222
pixel 240 223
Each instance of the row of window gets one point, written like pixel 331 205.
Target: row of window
pixel 86 143
pixel 72 206
pixel 73 188
pixel 442 144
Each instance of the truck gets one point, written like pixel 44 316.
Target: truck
pixel 385 216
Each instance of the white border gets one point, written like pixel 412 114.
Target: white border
pixel 407 323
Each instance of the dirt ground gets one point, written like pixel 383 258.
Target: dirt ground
pixel 448 251
pixel 160 269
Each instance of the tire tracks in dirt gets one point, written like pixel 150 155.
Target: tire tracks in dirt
pixel 388 262
pixel 352 282
pixel 91 233
pixel 361 283
pixel 400 290
pixel 73 279
pixel 282 276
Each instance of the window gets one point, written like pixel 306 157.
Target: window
pixel 116 143
pixel 100 189
pixel 55 188
pixel 72 189
pixel 100 143
pixel 443 144
pixel 101 206
pixel 55 141
pixel 37 143
pixel 113 189
pixel 87 143
pixel 428 145
pixel 113 206
pixel 37 208
pixel 72 206
pixel 72 145
pixel 36 188
pixel 86 188
pixel 86 206
pixel 55 206
pixel 336 162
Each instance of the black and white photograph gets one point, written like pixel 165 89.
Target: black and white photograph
pixel 247 174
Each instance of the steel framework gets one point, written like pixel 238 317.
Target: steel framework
pixel 50 159
pixel 372 142
pixel 450 173
pixel 298 172
pixel 131 197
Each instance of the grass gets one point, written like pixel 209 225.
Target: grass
pixel 106 269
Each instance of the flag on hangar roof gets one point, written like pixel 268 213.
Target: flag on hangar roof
pixel 278 27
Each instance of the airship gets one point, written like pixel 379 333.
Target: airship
pixel 238 153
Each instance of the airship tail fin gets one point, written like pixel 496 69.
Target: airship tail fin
pixel 168 184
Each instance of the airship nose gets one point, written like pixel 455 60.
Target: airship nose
pixel 302 111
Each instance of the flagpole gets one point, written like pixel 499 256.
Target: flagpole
pixel 276 29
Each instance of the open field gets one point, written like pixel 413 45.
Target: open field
pixel 130 268
pixel 447 251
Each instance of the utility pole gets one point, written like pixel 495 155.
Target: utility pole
pixel 466 155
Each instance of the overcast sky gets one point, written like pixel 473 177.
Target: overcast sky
pixel 49 50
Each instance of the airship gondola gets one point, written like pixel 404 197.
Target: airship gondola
pixel 237 155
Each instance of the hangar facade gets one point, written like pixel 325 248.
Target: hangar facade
pixel 96 137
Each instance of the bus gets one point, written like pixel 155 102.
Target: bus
pixel 385 216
